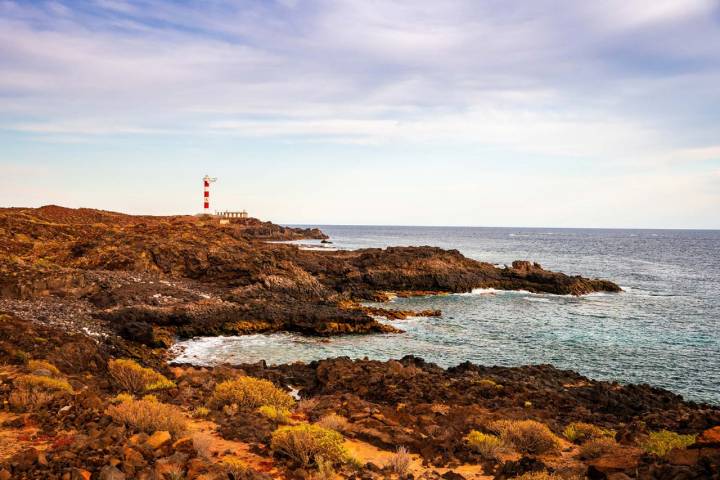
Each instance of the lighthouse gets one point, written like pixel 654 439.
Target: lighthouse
pixel 207 180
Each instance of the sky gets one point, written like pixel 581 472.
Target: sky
pixel 410 112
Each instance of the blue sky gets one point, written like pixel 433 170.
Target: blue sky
pixel 460 112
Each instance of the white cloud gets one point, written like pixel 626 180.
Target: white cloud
pixel 639 13
pixel 600 82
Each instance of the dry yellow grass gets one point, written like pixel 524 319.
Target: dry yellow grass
pixel 488 446
pixel 335 422
pixel 597 447
pixel 278 415
pixel 527 436
pixel 660 443
pixel 325 470
pixel 539 476
pixel 149 416
pixel 201 412
pixel 202 443
pixel 135 378
pixel 35 365
pixel 400 462
pixel 32 392
pixel 579 432
pixel 43 383
pixel 233 466
pixel 307 443
pixel 248 392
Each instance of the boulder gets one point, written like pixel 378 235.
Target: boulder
pixel 80 474
pixel 111 473
pixel 132 457
pixel 710 438
pixel 158 439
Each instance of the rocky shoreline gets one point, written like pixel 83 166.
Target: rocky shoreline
pixel 91 300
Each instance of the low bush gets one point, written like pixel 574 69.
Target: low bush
pixel 201 412
pixel 43 383
pixel 488 383
pixel 122 397
pixel 488 446
pixel 202 443
pixel 35 365
pixel 544 475
pixel 149 416
pixel 660 443
pixel 278 415
pixel 305 443
pixel 248 392
pixel 400 462
pixel 335 422
pixel 527 436
pixel 233 467
pixel 597 447
pixel 135 378
pixel 325 470
pixel 160 384
pixel 35 391
pixel 579 432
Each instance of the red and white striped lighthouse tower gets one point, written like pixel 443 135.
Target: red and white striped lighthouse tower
pixel 206 193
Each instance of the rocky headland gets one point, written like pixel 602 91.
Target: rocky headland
pixel 91 301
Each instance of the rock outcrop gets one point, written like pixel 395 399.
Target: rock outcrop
pixel 193 276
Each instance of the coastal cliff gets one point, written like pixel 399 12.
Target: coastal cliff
pixel 91 300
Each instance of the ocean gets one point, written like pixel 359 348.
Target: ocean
pixel 663 329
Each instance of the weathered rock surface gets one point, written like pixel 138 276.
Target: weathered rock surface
pixel 192 276
pixel 408 402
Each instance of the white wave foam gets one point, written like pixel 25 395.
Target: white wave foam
pixel 495 291
pixel 600 294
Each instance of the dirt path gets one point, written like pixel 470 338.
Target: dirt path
pixel 219 447
pixel 365 452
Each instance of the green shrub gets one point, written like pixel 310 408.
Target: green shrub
pixel 137 379
pixel 248 392
pixel 579 432
pixel 305 443
pixel 488 446
pixel 527 436
pixel 660 443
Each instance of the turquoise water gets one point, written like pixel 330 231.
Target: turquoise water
pixel 664 329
